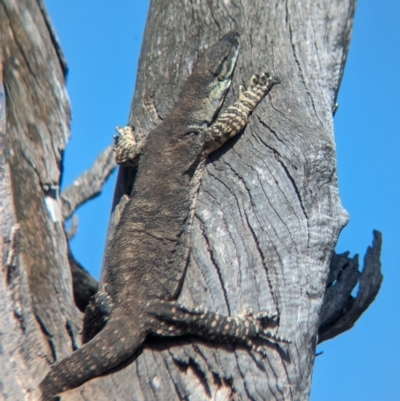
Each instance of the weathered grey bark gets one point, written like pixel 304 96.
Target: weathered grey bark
pixel 266 223
pixel 38 318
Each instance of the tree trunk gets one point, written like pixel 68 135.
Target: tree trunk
pixel 39 322
pixel 268 213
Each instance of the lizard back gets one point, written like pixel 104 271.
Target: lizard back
pixel 147 256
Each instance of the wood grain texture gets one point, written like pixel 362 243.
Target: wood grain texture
pixel 268 213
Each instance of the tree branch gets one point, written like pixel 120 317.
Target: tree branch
pixel 340 309
pixel 89 184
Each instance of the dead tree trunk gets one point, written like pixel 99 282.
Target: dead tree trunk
pixel 267 218
pixel 38 318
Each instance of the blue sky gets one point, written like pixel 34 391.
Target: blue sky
pixel 102 45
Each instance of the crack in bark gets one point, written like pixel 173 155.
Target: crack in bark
pixel 48 336
pixel 180 391
pixel 273 132
pixel 168 369
pixel 228 230
pixel 291 179
pixel 224 216
pixel 215 264
pixel 71 334
pixel 277 184
pixel 256 241
pixel 273 295
pixel 301 73
pixel 266 196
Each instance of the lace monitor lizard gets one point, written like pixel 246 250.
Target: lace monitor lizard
pixel 147 257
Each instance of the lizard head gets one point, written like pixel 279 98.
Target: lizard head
pixel 205 89
pixel 220 59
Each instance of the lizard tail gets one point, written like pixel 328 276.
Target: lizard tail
pixel 110 347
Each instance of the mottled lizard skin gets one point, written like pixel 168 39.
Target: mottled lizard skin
pixel 147 257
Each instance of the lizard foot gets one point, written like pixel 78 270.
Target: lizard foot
pixel 96 315
pixel 264 321
pixel 236 116
pixel 126 147
pixel 258 86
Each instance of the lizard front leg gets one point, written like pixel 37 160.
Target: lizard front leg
pixel 235 118
pixel 127 147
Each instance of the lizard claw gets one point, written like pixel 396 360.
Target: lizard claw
pixel 254 80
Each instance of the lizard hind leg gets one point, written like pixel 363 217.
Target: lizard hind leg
pixel 96 316
pixel 248 328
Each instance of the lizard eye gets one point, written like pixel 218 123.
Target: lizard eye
pixel 222 71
